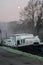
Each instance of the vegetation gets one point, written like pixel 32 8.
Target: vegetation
pixel 33 13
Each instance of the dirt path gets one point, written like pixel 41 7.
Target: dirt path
pixel 7 58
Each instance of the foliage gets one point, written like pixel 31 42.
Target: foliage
pixel 33 12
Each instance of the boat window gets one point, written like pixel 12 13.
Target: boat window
pixel 9 41
pixel 23 41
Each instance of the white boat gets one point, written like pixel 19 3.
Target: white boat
pixel 21 40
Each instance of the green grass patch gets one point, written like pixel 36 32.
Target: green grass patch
pixel 22 53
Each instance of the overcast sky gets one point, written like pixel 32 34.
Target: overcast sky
pixel 9 9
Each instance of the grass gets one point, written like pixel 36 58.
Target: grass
pixel 22 53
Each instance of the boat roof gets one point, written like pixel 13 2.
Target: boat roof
pixel 25 34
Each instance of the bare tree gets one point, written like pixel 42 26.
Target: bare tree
pixel 39 21
pixel 32 12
